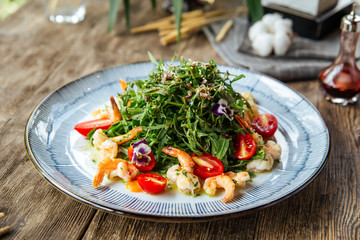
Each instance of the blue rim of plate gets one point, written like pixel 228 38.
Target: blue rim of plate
pixel 42 156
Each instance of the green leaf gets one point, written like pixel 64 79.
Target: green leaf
pixel 127 13
pixel 222 147
pixel 152 59
pixel 90 134
pixel 255 9
pixel 237 78
pixel 113 8
pixel 153 4
pixel 178 7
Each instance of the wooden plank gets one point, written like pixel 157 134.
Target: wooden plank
pixel 40 57
pixel 34 208
pixel 109 226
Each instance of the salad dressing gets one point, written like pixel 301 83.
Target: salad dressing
pixel 133 186
pixel 341 80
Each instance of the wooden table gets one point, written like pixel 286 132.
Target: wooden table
pixel 37 57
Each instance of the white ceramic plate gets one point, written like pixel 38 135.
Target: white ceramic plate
pixel 59 153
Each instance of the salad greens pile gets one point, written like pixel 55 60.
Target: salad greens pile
pixel 175 107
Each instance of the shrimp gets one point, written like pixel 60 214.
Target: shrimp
pixel 272 152
pixel 99 137
pixel 260 165
pixel 115 116
pixel 102 113
pixel 244 123
pixel 116 167
pixel 111 165
pixel 127 136
pixel 125 171
pixel 258 139
pixel 173 173
pixel 272 148
pixel 254 109
pixel 112 113
pixel 108 150
pixel 239 178
pixel 221 181
pixel 186 182
pixel 104 167
pixel 123 84
pixel 185 160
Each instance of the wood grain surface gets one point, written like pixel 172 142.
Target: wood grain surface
pixel 37 57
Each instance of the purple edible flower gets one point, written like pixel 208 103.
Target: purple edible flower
pixel 221 108
pixel 141 155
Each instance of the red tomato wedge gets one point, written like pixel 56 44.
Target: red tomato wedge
pixel 143 168
pixel 206 165
pixel 151 182
pixel 245 146
pixel 265 124
pixel 85 127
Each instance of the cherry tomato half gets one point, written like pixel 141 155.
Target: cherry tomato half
pixel 265 124
pixel 151 182
pixel 206 165
pixel 143 168
pixel 85 127
pixel 245 146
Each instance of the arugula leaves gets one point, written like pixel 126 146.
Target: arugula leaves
pixel 173 105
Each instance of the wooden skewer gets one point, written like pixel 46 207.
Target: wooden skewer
pixel 185 15
pixel 196 25
pixel 149 27
pixel 192 21
pixel 224 30
pixel 189 21
pixel 52 6
pixel 167 23
pixel 165 32
pixel 184 23
pixel 171 37
pixel 216 13
pixel 154 25
pixel 4 230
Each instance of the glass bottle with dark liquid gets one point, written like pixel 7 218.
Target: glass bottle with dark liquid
pixel 341 80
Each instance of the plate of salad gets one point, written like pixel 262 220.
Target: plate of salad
pixel 177 140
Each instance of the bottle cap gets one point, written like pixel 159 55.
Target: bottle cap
pixel 349 23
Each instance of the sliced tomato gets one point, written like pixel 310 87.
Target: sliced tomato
pixel 151 182
pixel 143 168
pixel 207 165
pixel 265 124
pixel 245 146
pixel 85 127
